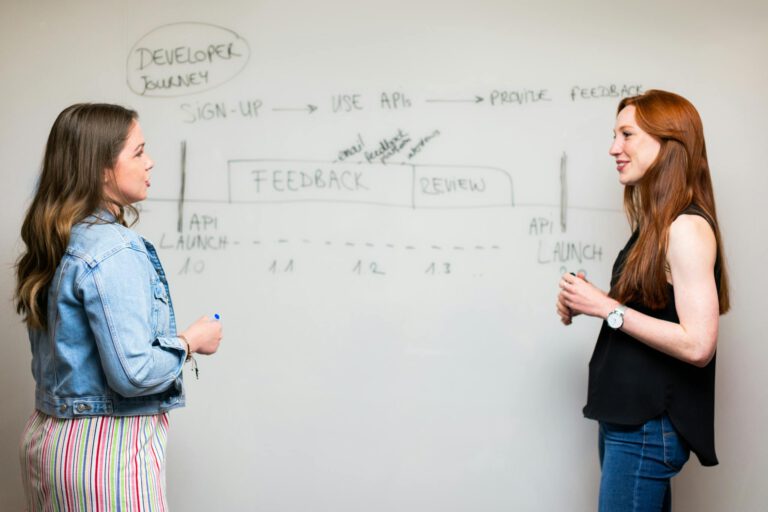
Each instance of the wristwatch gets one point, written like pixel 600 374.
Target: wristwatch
pixel 616 317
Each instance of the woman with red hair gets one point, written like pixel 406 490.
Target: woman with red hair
pixel 652 373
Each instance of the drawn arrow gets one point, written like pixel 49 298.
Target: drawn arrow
pixel 477 99
pixel 308 108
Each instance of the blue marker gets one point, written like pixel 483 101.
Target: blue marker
pixel 216 316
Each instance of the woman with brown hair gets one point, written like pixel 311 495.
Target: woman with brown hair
pixel 652 374
pixel 106 357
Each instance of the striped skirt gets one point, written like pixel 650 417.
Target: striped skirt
pixel 99 463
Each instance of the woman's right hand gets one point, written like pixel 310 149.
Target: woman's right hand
pixel 565 313
pixel 203 336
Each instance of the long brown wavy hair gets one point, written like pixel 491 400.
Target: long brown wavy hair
pixel 678 179
pixel 82 149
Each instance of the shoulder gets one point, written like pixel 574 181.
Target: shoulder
pixel 691 225
pixel 94 242
pixel 691 237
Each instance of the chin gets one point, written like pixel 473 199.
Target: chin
pixel 627 180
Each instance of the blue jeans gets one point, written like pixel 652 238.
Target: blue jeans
pixel 637 464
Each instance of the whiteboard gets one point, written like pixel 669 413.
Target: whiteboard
pixel 378 200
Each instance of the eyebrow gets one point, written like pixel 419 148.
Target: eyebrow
pixel 139 147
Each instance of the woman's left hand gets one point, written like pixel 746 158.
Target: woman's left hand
pixel 582 297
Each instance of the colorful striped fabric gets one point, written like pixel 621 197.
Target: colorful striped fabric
pixel 99 463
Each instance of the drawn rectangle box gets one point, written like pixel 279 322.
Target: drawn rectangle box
pixel 275 181
pixel 461 187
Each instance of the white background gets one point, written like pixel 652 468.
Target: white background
pixel 342 389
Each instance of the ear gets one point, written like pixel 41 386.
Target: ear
pixel 108 182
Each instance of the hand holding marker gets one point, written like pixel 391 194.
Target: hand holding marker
pixel 202 337
pixel 582 276
pixel 215 318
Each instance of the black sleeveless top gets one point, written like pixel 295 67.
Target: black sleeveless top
pixel 631 383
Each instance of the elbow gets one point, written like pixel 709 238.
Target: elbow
pixel 702 355
pixel 700 361
pixel 125 388
pixel 142 381
pixel 128 389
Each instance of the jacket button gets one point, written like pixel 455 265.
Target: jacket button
pixel 63 408
pixel 83 407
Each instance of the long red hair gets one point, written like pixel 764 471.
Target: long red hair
pixel 676 180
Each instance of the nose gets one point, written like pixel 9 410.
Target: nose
pixel 149 163
pixel 615 148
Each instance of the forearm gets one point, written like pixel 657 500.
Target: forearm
pixel 151 372
pixel 691 340
pixel 688 345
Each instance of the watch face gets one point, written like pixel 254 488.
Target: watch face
pixel 615 319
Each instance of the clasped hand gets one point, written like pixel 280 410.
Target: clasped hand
pixel 578 296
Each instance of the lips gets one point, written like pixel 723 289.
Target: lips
pixel 620 164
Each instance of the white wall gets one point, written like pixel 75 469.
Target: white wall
pixel 352 377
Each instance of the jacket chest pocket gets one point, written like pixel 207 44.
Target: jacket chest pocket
pixel 160 310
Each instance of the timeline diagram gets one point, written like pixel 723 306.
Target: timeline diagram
pixel 458 203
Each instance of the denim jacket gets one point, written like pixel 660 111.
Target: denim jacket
pixel 110 347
